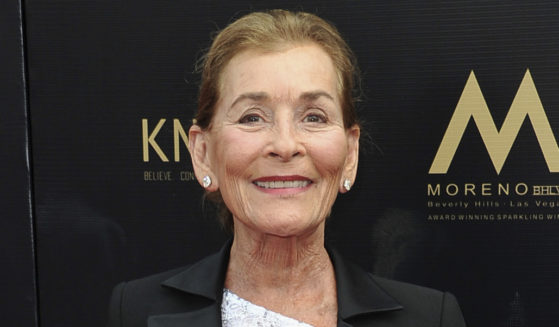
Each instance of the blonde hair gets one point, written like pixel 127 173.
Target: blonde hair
pixel 271 31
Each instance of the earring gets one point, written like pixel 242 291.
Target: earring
pixel 347 185
pixel 206 181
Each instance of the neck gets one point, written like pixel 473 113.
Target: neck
pixel 269 263
pixel 289 275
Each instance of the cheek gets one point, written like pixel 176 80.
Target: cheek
pixel 329 154
pixel 235 153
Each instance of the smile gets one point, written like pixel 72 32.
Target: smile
pixel 282 184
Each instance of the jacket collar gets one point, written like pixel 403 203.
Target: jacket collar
pixel 206 277
pixel 358 293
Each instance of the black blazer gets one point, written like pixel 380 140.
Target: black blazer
pixel 191 296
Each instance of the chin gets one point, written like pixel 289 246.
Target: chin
pixel 289 227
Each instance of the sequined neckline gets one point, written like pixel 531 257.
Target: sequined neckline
pixel 238 312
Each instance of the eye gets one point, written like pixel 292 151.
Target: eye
pixel 314 118
pixel 250 119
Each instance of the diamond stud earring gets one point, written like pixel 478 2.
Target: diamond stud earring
pixel 206 181
pixel 347 185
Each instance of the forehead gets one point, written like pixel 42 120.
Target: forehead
pixel 287 73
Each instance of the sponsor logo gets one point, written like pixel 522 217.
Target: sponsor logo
pixel 149 140
pixel 472 105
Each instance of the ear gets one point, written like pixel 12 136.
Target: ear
pixel 352 158
pixel 198 147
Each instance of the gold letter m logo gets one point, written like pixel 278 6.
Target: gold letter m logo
pixel 498 143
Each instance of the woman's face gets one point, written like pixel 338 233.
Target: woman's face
pixel 277 149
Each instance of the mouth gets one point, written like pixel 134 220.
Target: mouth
pixel 282 182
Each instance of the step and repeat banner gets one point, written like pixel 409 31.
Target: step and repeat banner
pixel 458 182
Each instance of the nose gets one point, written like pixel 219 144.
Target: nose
pixel 285 141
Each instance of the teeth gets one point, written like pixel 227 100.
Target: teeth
pixel 282 184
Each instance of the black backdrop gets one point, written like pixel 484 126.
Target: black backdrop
pixel 17 260
pixel 97 70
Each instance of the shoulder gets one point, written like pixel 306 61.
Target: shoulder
pixel 406 293
pixel 186 289
pixel 132 302
pixel 422 306
pixel 365 299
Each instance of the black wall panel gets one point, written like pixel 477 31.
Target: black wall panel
pixel 17 282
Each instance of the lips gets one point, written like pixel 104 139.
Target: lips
pixel 282 182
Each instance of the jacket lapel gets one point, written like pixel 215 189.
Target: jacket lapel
pixel 358 293
pixel 204 278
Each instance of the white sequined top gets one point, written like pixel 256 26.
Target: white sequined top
pixel 238 312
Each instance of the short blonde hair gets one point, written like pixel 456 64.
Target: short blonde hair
pixel 271 31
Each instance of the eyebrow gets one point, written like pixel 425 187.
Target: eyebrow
pixel 262 96
pixel 254 96
pixel 313 95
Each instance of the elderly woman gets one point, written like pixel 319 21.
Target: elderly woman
pixel 275 140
